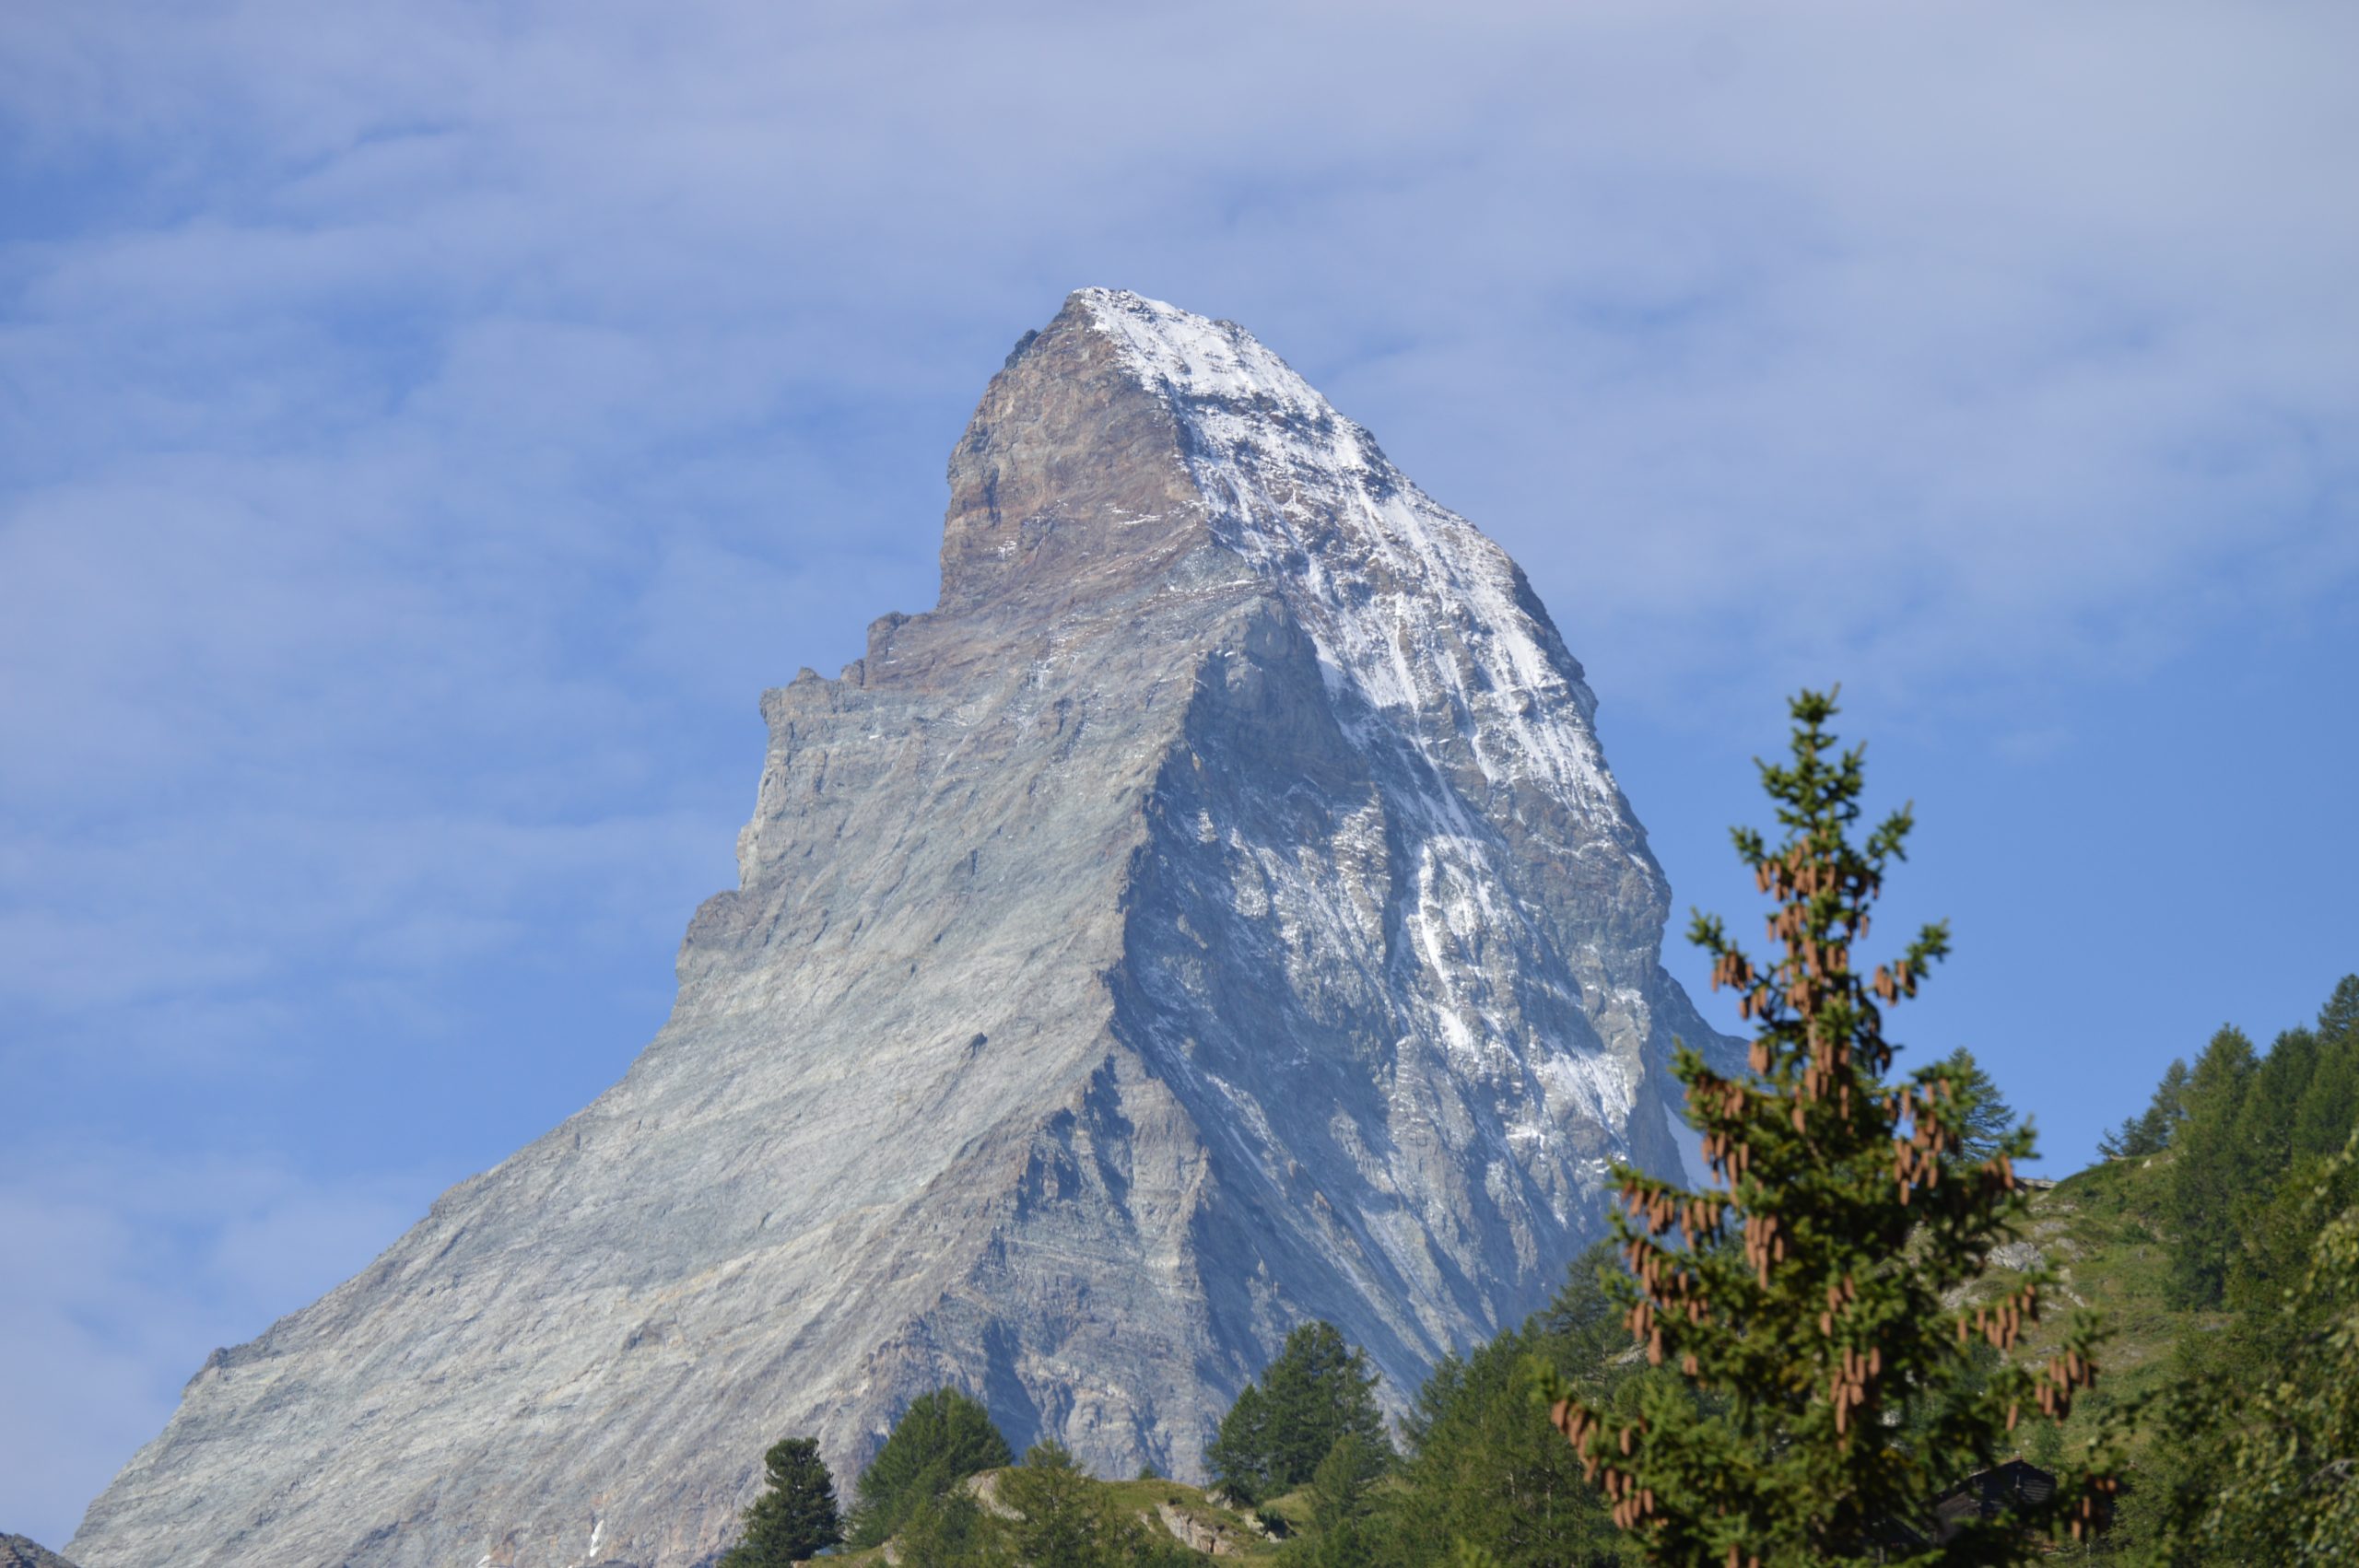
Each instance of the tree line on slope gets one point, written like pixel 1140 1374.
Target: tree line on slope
pixel 1045 1513
pixel 1311 1418
pixel 2256 1452
pixel 2247 1135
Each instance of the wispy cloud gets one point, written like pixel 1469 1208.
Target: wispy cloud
pixel 145 1267
pixel 2026 315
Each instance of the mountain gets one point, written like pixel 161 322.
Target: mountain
pixel 1217 912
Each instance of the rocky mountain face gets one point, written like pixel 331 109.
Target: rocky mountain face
pixel 1215 913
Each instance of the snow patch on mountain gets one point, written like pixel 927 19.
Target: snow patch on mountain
pixel 1409 603
pixel 1441 669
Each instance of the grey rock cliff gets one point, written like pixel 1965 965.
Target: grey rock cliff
pixel 1215 913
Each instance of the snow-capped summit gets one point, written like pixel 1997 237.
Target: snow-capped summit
pixel 1410 604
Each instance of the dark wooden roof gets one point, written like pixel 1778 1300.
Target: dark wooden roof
pixel 1988 1494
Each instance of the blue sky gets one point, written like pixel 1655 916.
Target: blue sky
pixel 424 429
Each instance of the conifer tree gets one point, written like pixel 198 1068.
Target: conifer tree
pixel 2339 1019
pixel 1485 1468
pixel 947 1531
pixel 1239 1454
pixel 2150 1132
pixel 1319 1390
pixel 1056 1523
pixel 795 1517
pixel 2331 1108
pixel 2262 1139
pixel 2206 1180
pixel 1984 1117
pixel 1052 1514
pixel 941 1439
pixel 1800 1296
pixel 1339 1497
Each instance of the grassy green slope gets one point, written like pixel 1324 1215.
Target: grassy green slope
pixel 1185 1513
pixel 2101 1231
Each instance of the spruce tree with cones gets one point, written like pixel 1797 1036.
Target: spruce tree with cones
pixel 1826 1397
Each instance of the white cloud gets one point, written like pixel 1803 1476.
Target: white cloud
pixel 2024 316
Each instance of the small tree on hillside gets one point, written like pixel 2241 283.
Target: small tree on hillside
pixel 1058 1522
pixel 1984 1118
pixel 1239 1454
pixel 947 1531
pixel 1830 1396
pixel 1319 1391
pixel 941 1439
pixel 2201 1203
pixel 2150 1132
pixel 1339 1503
pixel 796 1517
pixel 1484 1470
pixel 2339 1017
pixel 2331 1108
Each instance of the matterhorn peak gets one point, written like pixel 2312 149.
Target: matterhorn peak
pixel 1197 361
pixel 1215 913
